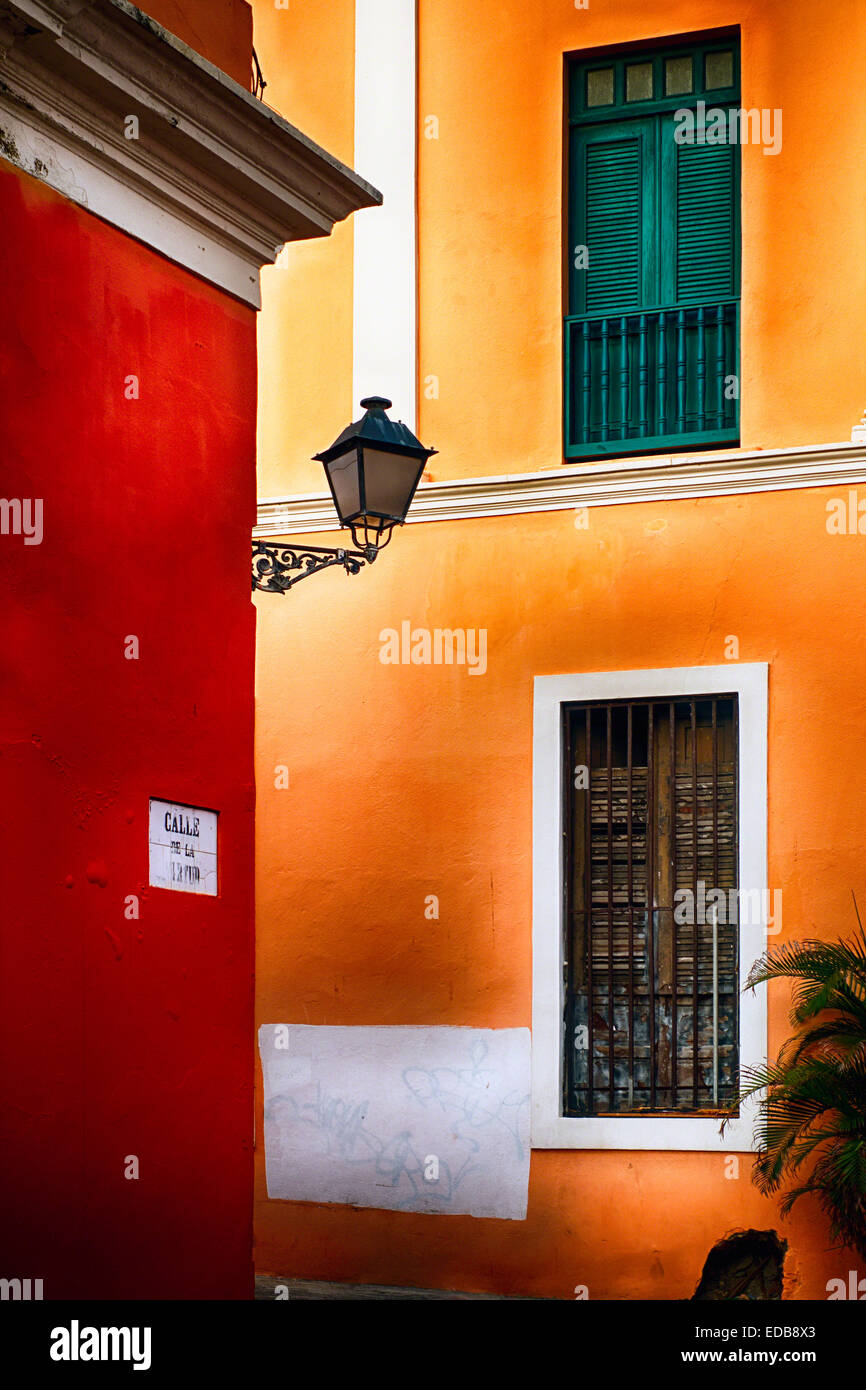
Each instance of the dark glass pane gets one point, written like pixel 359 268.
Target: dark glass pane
pixel 678 76
pixel 343 475
pixel 599 87
pixel 719 70
pixel 639 82
pixel 389 482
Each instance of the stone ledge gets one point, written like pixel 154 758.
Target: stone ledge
pixel 214 179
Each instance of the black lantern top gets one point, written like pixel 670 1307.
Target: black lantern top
pixel 373 469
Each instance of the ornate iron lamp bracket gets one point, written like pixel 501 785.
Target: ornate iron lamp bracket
pixel 277 567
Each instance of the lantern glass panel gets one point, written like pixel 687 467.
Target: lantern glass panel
pixel 389 482
pixel 344 475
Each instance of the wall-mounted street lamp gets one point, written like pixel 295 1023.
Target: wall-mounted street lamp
pixel 373 469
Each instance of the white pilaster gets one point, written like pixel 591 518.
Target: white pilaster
pixel 385 272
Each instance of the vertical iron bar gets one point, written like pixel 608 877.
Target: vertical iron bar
pixel 588 916
pixel 694 722
pixel 661 377
pixel 567 797
pixel 715 912
pixel 630 892
pixel 735 935
pixel 701 371
pixel 623 377
pixel 642 378
pixel 586 399
pixel 715 916
pixel 605 378
pixel 720 365
pixel 610 898
pixel 650 904
pixel 681 371
pixel 570 917
pixel 672 733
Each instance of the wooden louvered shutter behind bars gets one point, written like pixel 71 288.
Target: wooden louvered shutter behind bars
pixel 659 814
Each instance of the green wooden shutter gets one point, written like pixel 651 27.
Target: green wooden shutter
pixel 613 230
pixel 705 244
pixel 614 216
pixel 651 335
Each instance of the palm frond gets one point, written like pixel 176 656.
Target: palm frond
pixel 811 1102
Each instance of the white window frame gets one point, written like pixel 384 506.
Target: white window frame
pixel 550 1128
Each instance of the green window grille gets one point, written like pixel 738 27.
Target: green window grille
pixel 652 331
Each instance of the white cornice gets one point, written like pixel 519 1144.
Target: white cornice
pixel 608 484
pixel 215 180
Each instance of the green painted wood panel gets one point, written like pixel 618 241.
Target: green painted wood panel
pixel 614 215
pixel 652 334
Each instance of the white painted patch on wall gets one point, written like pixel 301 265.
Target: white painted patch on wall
pixel 431 1120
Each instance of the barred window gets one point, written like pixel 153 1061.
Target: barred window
pixel 651 860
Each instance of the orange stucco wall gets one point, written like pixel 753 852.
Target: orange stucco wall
pixel 410 781
pixel 490 225
pixel 407 781
pixel 220 32
pixel 305 328
pixel 490 199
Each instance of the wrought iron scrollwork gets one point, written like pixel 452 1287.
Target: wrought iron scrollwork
pixel 277 567
pixel 258 83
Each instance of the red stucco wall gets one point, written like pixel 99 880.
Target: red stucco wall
pixel 120 1036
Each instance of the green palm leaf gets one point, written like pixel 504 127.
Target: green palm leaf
pixel 811 1102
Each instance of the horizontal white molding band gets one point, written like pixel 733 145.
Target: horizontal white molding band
pixel 609 484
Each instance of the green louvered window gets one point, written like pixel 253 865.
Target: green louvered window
pixel 652 325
